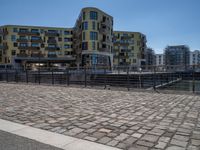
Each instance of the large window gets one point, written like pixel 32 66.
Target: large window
pixel 85 25
pixel 84 46
pixel 35 45
pixel 13 38
pixel 93 15
pixel 93 36
pixel 83 15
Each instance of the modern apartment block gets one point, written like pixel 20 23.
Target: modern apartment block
pixel 178 55
pixel 129 48
pixel 30 44
pixel 160 59
pixel 195 57
pixel 91 42
pixel 93 33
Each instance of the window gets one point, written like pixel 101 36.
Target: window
pixel 13 38
pixel 59 39
pixel 93 15
pixel 93 46
pixel 13 52
pixel 35 45
pixel 23 30
pixel 93 25
pixel 34 30
pixel 84 25
pixel 93 36
pixel 15 30
pixel 67 46
pixel 23 44
pixel 34 38
pixel 67 39
pixel 66 32
pixel 52 45
pixel 83 15
pixel 83 35
pixel 15 44
pixel 84 46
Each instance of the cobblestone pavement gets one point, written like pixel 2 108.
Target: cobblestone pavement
pixel 127 120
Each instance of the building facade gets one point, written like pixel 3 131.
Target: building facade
pixel 150 57
pixel 29 44
pixel 93 33
pixel 89 43
pixel 129 48
pixel 160 59
pixel 178 56
pixel 195 57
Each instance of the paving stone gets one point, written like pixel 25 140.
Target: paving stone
pixel 161 145
pixel 150 138
pixel 121 137
pixel 130 140
pixel 175 148
pixel 178 143
pixel 90 138
pixel 104 140
pixel 145 143
pixel 105 130
pixel 113 143
pixel 136 135
pixel 195 142
pixel 181 138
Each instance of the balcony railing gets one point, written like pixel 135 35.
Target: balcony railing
pixel 104 50
pixel 22 55
pixel 29 47
pixel 22 40
pixel 51 41
pixel 52 48
pixel 3 32
pixel 28 33
pixel 36 40
pixel 51 34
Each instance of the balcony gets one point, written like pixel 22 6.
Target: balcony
pixel 37 40
pixel 37 55
pixel 29 47
pixel 104 50
pixel 51 34
pixel 106 41
pixel 105 22
pixel 22 40
pixel 3 32
pixel 23 33
pixel 126 37
pixel 52 48
pixel 52 41
pixel 103 30
pixel 22 55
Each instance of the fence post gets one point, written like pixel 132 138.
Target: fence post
pixel 6 74
pixel 39 74
pixel 128 79
pixel 16 76
pixel 52 76
pixel 105 78
pixel 154 81
pixel 85 72
pixel 193 79
pixel 26 75
pixel 67 76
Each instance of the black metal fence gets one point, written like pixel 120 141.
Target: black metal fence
pixel 155 78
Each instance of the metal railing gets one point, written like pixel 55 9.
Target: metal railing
pixel 151 78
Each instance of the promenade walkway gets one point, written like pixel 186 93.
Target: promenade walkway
pixel 125 120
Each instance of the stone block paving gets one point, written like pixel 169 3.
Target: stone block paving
pixel 127 120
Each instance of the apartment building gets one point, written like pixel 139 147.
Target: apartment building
pixel 160 59
pixel 93 33
pixel 195 57
pixel 30 44
pixel 91 42
pixel 177 57
pixel 129 48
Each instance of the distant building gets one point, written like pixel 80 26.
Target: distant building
pixel 150 58
pixel 177 57
pixel 160 59
pixel 195 57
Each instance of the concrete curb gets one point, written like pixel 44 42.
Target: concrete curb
pixel 50 138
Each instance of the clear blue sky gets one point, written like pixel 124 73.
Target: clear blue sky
pixel 165 22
